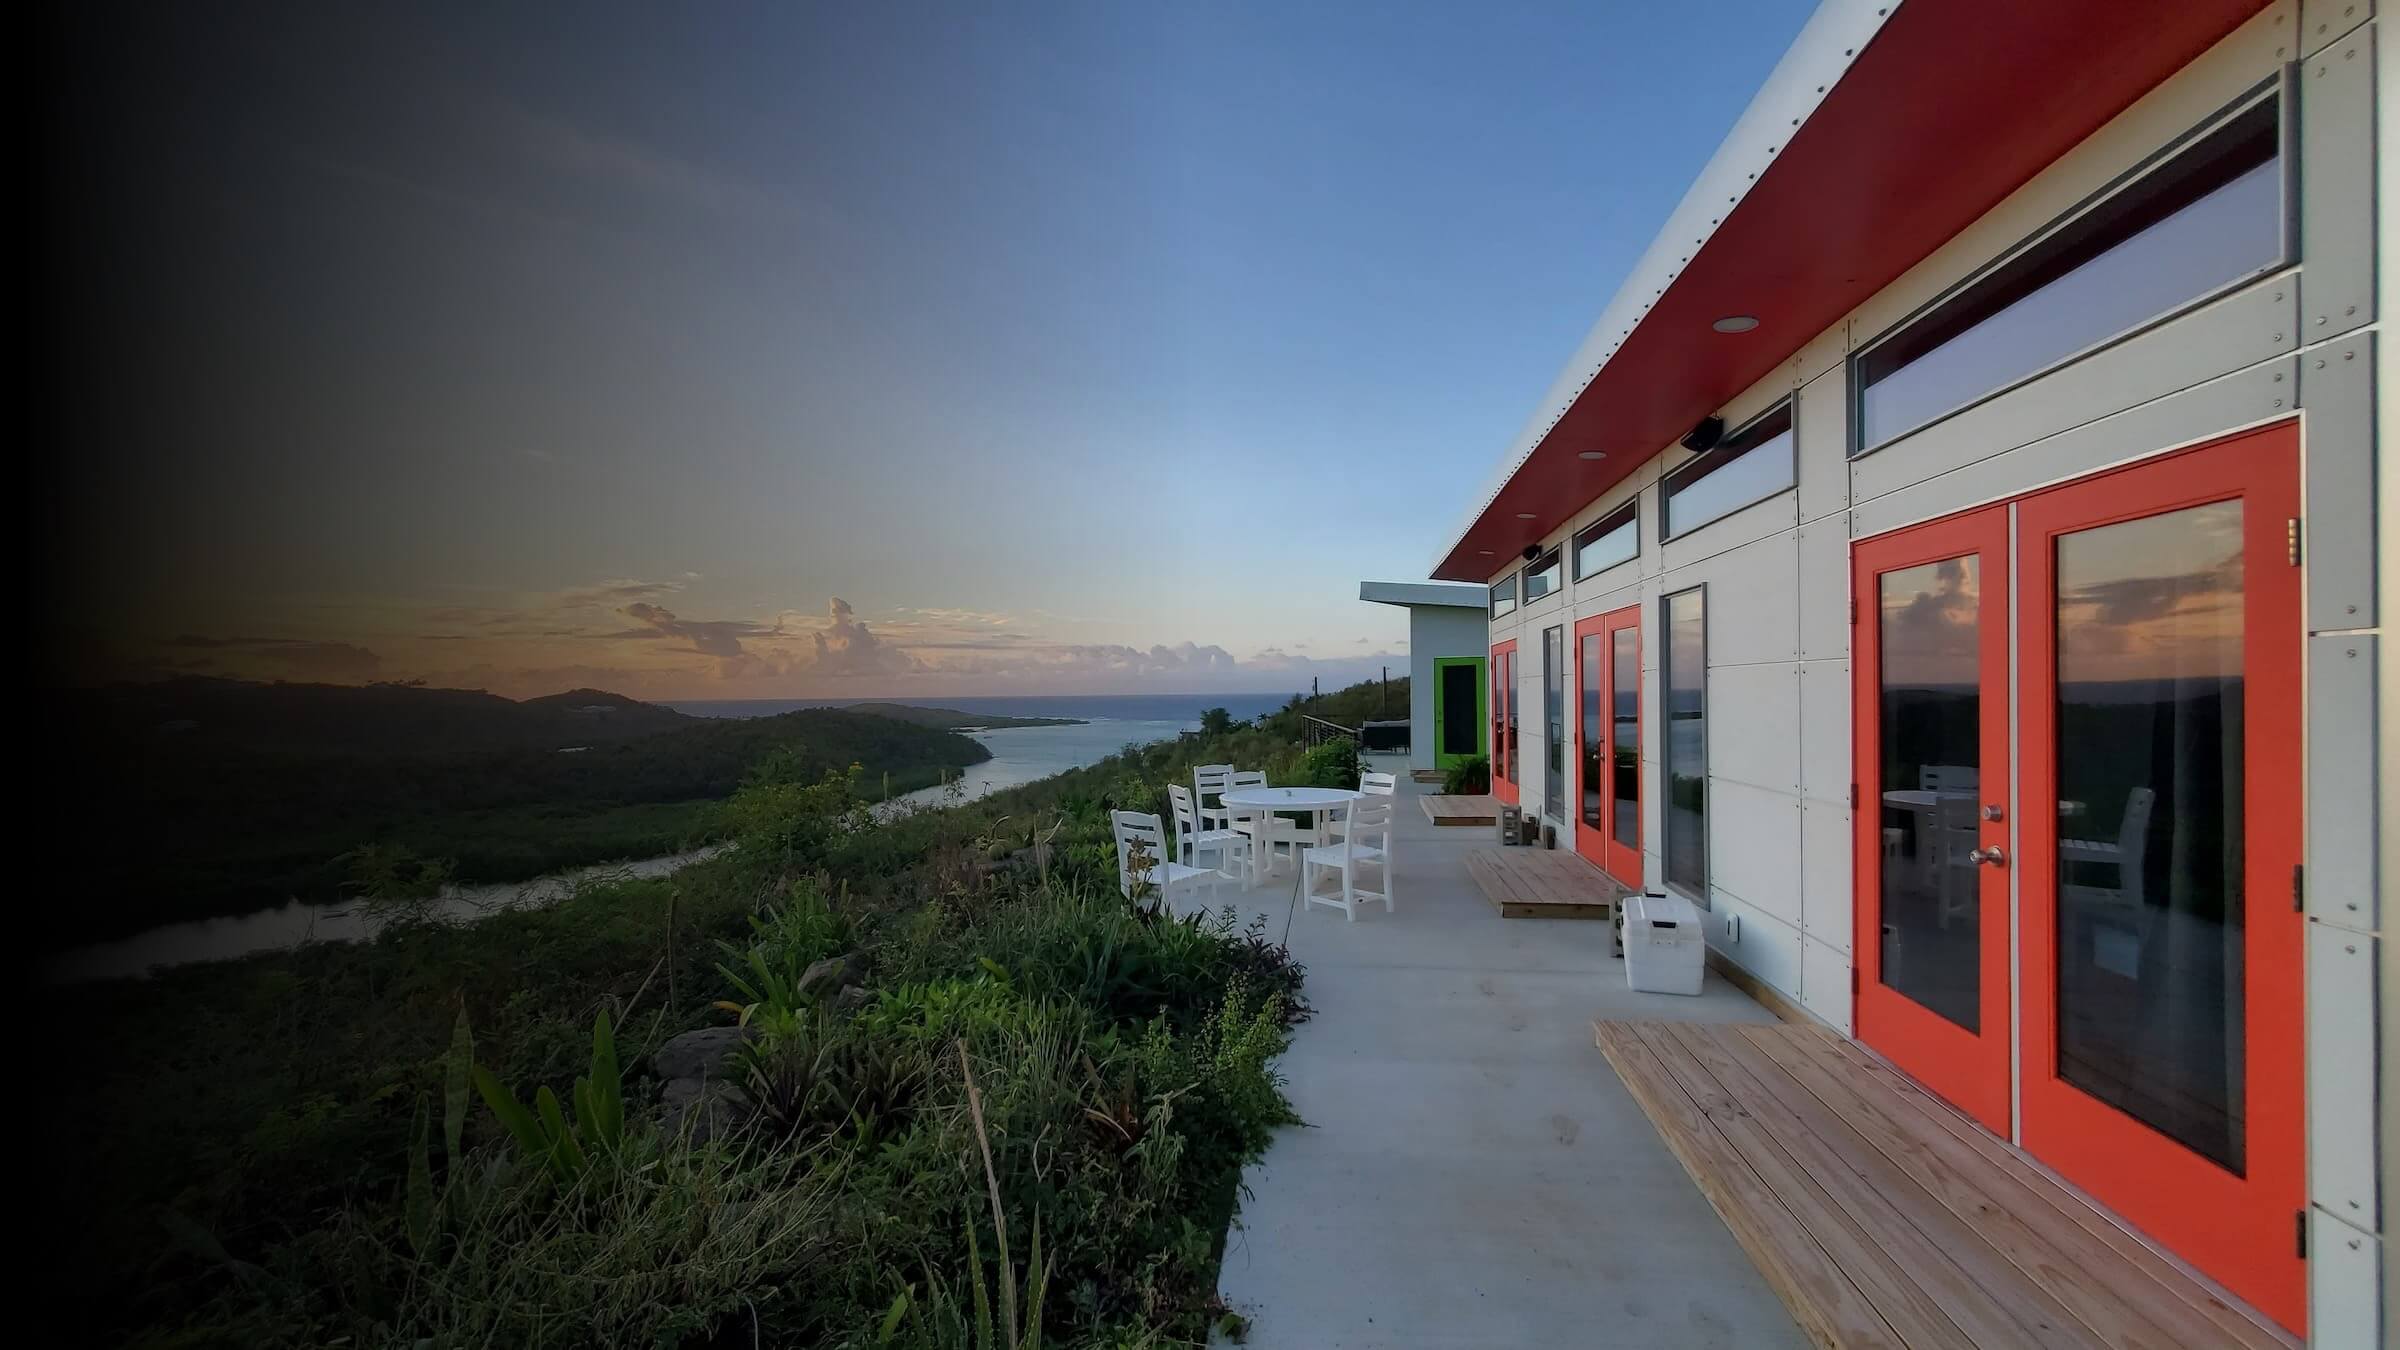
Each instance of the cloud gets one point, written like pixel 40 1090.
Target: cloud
pixel 709 637
pixel 846 646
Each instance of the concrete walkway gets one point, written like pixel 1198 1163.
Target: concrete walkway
pixel 1472 1173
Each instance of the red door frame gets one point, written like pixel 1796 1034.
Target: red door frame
pixel 1970 1069
pixel 1601 846
pixel 1504 693
pixel 2236 1228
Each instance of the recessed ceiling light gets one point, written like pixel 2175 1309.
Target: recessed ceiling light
pixel 1736 323
pixel 1593 454
pixel 1484 552
pixel 1525 515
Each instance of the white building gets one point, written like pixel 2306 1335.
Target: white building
pixel 1952 560
pixel 1446 675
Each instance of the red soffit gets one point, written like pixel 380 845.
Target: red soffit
pixel 1951 106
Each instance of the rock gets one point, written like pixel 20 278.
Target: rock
pixel 852 998
pixel 824 977
pixel 706 1108
pixel 698 1054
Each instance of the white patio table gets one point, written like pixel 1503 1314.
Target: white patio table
pixel 1314 802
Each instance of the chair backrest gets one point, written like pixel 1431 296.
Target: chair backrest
pixel 2133 836
pixel 1185 806
pixel 1247 778
pixel 1946 778
pixel 1138 830
pixel 1209 780
pixel 1370 815
pixel 1376 784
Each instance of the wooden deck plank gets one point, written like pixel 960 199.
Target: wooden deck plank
pixel 1537 883
pixel 2227 1320
pixel 2056 1256
pixel 1825 1162
pixel 1829 1308
pixel 1468 809
pixel 1948 1255
pixel 1912 1312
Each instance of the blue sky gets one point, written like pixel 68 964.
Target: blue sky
pixel 1071 347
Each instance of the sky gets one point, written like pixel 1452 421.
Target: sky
pixel 816 350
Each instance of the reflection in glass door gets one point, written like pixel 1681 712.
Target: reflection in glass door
pixel 1504 720
pixel 1930 653
pixel 1608 665
pixel 1554 726
pixel 2159 673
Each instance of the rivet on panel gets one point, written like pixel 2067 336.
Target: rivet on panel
pixel 2348 310
pixel 2320 321
pixel 2278 379
pixel 2279 403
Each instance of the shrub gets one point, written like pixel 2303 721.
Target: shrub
pixel 1470 775
pixel 1332 764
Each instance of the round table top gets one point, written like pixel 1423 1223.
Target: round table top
pixel 1290 798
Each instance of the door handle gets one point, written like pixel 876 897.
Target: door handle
pixel 1995 856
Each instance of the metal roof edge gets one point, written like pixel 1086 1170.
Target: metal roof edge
pixel 1452 594
pixel 1819 56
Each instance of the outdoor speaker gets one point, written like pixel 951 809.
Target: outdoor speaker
pixel 1532 551
pixel 1706 435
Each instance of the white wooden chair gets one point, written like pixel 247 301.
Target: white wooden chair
pixel 1144 860
pixel 1957 877
pixel 1211 780
pixel 1265 830
pixel 1372 783
pixel 1368 839
pixel 1192 843
pixel 2125 854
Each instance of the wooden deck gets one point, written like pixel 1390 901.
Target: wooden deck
pixel 1441 809
pixel 1543 883
pixel 1884 1218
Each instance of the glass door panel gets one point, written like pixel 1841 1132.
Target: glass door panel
pixel 1930 670
pixel 1608 673
pixel 2159 679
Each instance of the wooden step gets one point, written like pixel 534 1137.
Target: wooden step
pixel 1428 775
pixel 1543 883
pixel 1442 809
pixel 1882 1217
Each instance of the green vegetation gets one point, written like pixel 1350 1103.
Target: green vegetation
pixel 249 795
pixel 1470 775
pixel 1356 705
pixel 953 720
pixel 1029 1116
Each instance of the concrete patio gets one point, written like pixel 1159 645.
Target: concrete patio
pixel 1472 1173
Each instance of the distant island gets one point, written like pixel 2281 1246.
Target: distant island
pixel 195 797
pixel 951 719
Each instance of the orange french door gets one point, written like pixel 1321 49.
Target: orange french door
pixel 1504 720
pixel 2159 686
pixel 1608 738
pixel 1930 673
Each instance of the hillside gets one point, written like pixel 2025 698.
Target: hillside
pixel 954 720
pixel 216 798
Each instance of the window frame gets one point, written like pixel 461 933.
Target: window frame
pixel 1514 600
pixel 1609 524
pixel 1550 558
pixel 1666 744
pixel 1727 451
pixel 2278 90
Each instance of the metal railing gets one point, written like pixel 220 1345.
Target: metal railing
pixel 1320 731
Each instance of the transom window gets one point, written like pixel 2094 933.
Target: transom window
pixel 1612 539
pixel 1504 596
pixel 1541 576
pixel 2203 218
pixel 1746 467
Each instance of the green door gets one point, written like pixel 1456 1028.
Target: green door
pixel 1458 709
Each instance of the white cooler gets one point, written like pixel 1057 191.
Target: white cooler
pixel 1664 947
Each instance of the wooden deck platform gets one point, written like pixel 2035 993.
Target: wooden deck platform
pixel 1543 883
pixel 1884 1218
pixel 1476 809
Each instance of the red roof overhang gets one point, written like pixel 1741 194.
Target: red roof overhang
pixel 1952 106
